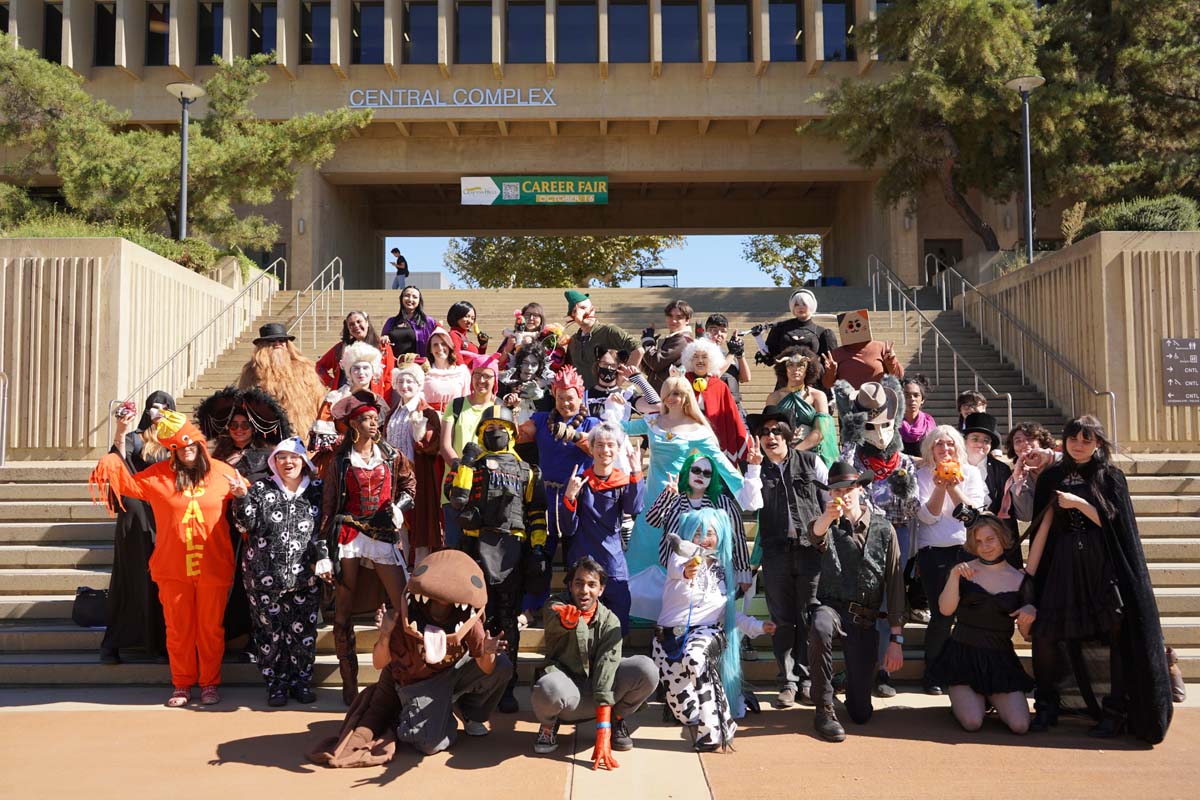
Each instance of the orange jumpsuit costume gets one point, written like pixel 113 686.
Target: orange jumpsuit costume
pixel 193 559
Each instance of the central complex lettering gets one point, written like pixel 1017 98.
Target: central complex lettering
pixel 433 98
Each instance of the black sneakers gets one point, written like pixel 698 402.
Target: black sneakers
pixel 621 740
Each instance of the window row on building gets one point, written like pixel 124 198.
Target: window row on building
pixel 576 30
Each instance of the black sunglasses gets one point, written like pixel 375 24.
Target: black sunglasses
pixel 701 471
pixel 771 432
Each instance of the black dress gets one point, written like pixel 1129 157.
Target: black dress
pixel 135 616
pixel 980 652
pixel 1080 598
pixel 253 466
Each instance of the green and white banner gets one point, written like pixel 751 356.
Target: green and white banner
pixel 535 190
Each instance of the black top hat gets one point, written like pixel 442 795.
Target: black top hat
pixel 273 332
pixel 982 422
pixel 754 421
pixel 842 475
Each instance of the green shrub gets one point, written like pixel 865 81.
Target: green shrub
pixel 196 255
pixel 1170 213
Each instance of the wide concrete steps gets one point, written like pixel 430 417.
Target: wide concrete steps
pixel 82 669
pixel 64 636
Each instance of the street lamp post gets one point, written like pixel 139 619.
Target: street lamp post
pixel 186 93
pixel 1025 85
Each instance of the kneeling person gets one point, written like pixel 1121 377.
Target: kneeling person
pixel 860 567
pixel 584 675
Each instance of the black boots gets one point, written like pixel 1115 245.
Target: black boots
pixel 1111 724
pixel 346 645
pixel 827 725
pixel 1044 718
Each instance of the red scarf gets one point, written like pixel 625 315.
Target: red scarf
pixel 882 467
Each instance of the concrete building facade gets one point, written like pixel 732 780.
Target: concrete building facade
pixel 689 108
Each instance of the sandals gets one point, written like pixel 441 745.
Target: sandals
pixel 209 696
pixel 179 698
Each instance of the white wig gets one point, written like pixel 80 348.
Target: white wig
pixel 810 299
pixel 410 369
pixel 356 352
pixel 715 357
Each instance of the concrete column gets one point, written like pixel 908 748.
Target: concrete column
pixel 235 30
pixel 26 18
pixel 708 36
pixel 864 12
pixel 551 38
pixel 498 9
pixel 445 36
pixel 602 24
pixel 130 48
pixel 181 45
pixel 656 48
pixel 287 37
pixel 341 21
pixel 760 35
pixel 393 36
pixel 814 35
pixel 79 37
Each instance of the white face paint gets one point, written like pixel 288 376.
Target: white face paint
pixel 879 434
pixel 361 374
pixel 700 476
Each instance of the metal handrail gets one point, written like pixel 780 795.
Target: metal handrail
pixel 877 269
pixel 275 273
pixel 1048 352
pixel 320 288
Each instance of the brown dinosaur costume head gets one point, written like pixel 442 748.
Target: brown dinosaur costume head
pixel 444 596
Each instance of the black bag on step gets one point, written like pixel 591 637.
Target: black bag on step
pixel 90 609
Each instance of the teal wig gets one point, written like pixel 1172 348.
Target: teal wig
pixel 691 522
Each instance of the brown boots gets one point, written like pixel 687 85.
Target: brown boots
pixel 1178 689
pixel 345 643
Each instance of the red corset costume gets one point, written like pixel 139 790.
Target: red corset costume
pixel 368 489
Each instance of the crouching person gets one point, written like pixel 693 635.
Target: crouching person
pixel 584 676
pixel 282 559
pixel 435 659
pixel 696 643
pixel 860 567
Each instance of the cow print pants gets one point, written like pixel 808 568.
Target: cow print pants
pixel 692 679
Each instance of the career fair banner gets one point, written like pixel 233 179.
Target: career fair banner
pixel 534 190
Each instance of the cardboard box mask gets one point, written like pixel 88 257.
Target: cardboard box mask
pixel 854 327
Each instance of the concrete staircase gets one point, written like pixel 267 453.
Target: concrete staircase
pixel 53 540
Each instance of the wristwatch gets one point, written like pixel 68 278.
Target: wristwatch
pixel 896 638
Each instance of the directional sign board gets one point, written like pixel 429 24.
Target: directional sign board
pixel 535 190
pixel 1181 372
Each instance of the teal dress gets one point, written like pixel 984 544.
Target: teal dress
pixel 805 414
pixel 667 454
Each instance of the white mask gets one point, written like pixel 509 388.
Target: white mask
pixel 879 434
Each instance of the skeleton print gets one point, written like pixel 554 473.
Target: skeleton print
pixel 285 633
pixel 282 547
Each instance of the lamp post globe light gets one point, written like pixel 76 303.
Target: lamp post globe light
pixel 1024 85
pixel 186 93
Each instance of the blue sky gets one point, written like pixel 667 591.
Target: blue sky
pixel 702 261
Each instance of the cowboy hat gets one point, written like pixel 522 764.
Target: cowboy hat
pixel 754 421
pixel 843 475
pixel 877 401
